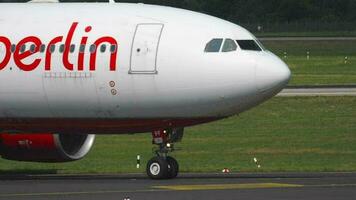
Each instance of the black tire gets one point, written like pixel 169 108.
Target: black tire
pixel 173 167
pixel 157 168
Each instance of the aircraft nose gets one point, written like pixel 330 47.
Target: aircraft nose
pixel 272 74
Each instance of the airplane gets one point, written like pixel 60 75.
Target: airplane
pixel 69 71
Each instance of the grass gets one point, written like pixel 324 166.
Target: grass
pixel 326 63
pixel 285 134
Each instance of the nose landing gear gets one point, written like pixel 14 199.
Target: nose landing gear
pixel 163 166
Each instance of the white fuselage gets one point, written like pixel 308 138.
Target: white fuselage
pixel 161 71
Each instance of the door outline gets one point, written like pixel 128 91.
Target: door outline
pixel 157 49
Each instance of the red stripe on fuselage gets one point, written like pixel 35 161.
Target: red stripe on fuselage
pixel 96 126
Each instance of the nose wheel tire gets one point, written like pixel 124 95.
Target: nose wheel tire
pixel 157 168
pixel 173 167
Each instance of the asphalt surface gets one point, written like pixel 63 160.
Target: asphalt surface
pixel 187 186
pixel 307 38
pixel 347 91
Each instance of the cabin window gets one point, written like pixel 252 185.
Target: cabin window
pixel 13 48
pixel 113 48
pixel 250 45
pixel 33 48
pixel 23 48
pixel 229 45
pixel 72 48
pixel 52 48
pixel 92 48
pixel 103 48
pixel 42 48
pixel 214 45
pixel 82 48
pixel 61 48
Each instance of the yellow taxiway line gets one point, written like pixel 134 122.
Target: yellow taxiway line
pixel 168 188
pixel 227 186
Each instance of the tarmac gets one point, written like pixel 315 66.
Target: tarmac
pixel 318 91
pixel 264 186
pixel 307 38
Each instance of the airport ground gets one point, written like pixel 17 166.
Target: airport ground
pixel 313 186
pixel 292 134
pixel 326 63
pixel 350 33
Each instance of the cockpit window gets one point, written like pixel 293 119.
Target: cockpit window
pixel 261 45
pixel 248 45
pixel 214 45
pixel 229 45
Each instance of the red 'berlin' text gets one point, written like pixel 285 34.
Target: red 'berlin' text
pixel 19 55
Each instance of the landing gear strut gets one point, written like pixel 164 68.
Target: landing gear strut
pixel 163 166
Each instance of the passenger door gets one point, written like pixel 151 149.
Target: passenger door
pixel 145 48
